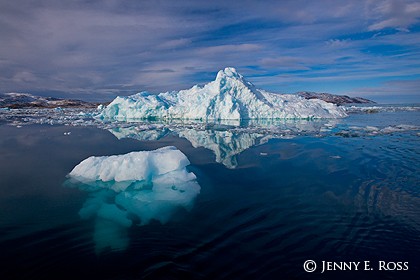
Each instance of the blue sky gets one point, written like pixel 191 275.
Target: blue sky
pixel 96 50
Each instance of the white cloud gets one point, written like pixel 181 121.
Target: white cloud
pixel 395 14
pixel 336 43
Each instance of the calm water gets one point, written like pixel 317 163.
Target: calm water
pixel 265 207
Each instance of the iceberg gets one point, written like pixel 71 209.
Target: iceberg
pixel 133 188
pixel 229 97
pixel 131 167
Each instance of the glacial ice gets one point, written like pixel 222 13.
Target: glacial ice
pixel 360 131
pixel 147 185
pixel 89 117
pixel 134 166
pixel 381 108
pixel 229 97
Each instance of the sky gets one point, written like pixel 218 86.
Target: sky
pixel 98 49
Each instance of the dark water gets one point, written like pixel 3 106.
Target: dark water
pixel 331 198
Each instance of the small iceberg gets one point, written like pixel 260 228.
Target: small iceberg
pixel 137 187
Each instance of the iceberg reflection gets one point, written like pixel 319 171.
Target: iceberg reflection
pixel 137 187
pixel 225 139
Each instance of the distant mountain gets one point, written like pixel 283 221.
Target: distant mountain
pixel 229 97
pixel 26 100
pixel 333 98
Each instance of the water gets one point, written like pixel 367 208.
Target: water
pixel 345 191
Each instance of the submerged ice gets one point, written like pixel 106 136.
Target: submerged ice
pixel 228 97
pixel 137 187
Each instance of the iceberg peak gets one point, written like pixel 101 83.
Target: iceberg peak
pixel 230 76
pixel 229 72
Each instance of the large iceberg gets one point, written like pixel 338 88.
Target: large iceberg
pixel 229 97
pixel 137 187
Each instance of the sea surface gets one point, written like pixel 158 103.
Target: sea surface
pixel 270 200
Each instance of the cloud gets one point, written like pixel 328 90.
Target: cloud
pixel 393 87
pixel 392 91
pixel 395 14
pixel 106 48
pixel 337 43
pixel 24 77
pixel 232 48
pixel 175 43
